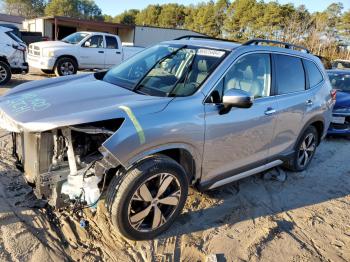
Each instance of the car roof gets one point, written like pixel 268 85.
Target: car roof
pixel 339 71
pixel 96 33
pixel 341 60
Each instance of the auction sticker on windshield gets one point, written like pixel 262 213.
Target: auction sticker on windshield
pixel 210 52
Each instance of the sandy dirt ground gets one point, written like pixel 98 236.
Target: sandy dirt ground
pixel 302 218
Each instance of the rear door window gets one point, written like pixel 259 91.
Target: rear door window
pixel 111 42
pixel 314 74
pixel 290 75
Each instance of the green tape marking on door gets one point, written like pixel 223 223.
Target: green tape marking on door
pixel 136 123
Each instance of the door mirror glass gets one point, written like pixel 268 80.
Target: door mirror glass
pixel 237 98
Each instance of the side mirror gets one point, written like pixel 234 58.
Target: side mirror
pixel 87 44
pixel 236 98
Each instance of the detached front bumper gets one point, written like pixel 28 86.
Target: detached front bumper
pixel 46 63
pixel 340 124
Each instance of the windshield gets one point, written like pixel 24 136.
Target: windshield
pixel 74 38
pixel 166 70
pixel 341 64
pixel 340 81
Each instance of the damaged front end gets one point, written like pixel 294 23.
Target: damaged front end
pixel 67 164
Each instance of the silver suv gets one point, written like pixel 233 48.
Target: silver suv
pixel 192 111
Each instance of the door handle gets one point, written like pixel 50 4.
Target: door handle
pixel 118 52
pixel 101 52
pixel 309 102
pixel 270 111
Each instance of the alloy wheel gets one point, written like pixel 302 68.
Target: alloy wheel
pixel 67 68
pixel 306 150
pixel 154 202
pixel 3 73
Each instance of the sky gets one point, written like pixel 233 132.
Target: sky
pixel 114 7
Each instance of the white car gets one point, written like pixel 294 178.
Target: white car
pixel 12 55
pixel 81 50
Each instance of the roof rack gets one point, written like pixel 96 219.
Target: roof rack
pixel 255 41
pixel 188 37
pixel 286 45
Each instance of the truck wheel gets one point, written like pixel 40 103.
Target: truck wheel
pixel 47 71
pixel 66 66
pixel 5 73
pixel 146 200
pixel 304 150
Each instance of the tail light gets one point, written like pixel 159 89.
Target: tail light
pixel 334 94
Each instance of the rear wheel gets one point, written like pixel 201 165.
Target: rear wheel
pixel 5 73
pixel 304 151
pixel 66 66
pixel 147 199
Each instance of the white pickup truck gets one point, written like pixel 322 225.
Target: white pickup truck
pixel 81 50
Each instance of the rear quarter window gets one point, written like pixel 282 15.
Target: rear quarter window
pixel 314 74
pixel 290 75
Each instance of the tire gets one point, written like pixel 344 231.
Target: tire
pixel 66 66
pixel 47 71
pixel 138 206
pixel 297 163
pixel 5 73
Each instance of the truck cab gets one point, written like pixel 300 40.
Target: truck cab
pixel 80 50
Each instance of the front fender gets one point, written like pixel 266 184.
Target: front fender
pixel 148 134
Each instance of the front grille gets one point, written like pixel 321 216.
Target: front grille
pixel 34 50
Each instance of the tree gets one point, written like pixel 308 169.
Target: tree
pixel 127 17
pixel 242 17
pixel 344 24
pixel 221 8
pixel 202 18
pixel 86 9
pixel 172 16
pixel 149 15
pixel 26 8
pixel 107 18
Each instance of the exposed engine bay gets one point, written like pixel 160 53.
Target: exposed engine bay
pixel 66 164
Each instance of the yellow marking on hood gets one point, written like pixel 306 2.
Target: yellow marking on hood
pixel 135 122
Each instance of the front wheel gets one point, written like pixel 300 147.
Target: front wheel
pixel 304 151
pixel 148 198
pixel 5 73
pixel 66 66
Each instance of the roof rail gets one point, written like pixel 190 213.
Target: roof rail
pixel 286 45
pixel 189 37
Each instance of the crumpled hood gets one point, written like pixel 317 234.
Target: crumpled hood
pixel 48 44
pixel 47 104
pixel 343 99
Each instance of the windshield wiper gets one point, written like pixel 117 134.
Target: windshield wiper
pixel 138 84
